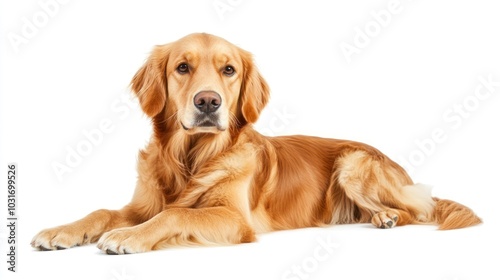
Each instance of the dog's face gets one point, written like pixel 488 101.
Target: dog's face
pixel 203 82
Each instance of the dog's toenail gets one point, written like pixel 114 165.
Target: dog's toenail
pixel 110 252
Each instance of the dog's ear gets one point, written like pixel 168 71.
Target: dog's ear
pixel 150 82
pixel 254 93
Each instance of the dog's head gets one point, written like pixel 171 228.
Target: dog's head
pixel 203 83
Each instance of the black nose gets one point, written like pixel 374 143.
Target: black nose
pixel 207 101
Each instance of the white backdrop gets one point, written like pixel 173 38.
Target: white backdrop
pixel 420 80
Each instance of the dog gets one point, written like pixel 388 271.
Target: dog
pixel 207 177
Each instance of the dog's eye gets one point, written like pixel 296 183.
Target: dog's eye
pixel 183 68
pixel 228 70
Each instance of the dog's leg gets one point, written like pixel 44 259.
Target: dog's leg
pixel 84 231
pixel 180 226
pixel 381 191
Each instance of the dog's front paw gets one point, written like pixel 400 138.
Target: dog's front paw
pixel 123 241
pixel 385 219
pixel 59 238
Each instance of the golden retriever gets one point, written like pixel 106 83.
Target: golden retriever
pixel 207 177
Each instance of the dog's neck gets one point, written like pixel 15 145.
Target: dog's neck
pixel 201 148
pixel 192 152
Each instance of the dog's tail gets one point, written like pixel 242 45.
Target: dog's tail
pixel 452 215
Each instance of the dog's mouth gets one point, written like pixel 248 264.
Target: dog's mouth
pixel 204 125
pixel 207 123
